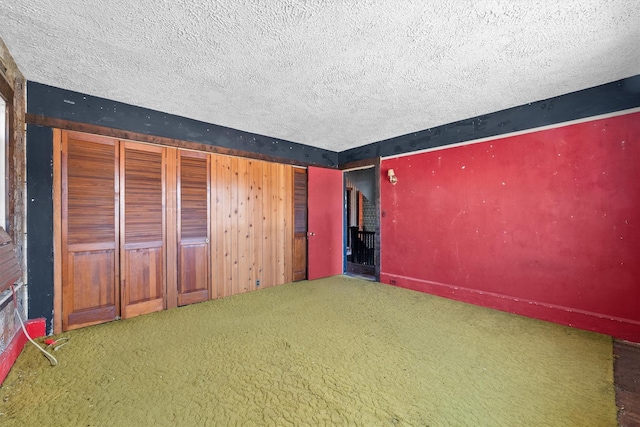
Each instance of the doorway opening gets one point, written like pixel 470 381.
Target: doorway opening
pixel 362 223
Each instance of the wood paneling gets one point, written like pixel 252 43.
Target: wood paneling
pixel 252 224
pixel 148 227
pixel 255 227
pixel 272 251
pixel 234 226
pixel 279 217
pixel 89 231
pixel 170 156
pixel 267 231
pixel 225 187
pixel 221 260
pixel 242 228
pixel 254 199
pixel 142 215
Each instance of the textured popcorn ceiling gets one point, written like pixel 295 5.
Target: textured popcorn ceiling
pixel 334 74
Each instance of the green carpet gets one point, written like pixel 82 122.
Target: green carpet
pixel 336 351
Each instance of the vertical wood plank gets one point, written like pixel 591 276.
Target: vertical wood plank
pixel 214 225
pixel 170 238
pixel 234 232
pixel 274 223
pixel 118 200
pixel 57 231
pixel 266 226
pixel 218 224
pixel 243 227
pixel 256 260
pixel 218 227
pixel 251 280
pixel 280 230
pixel 209 225
pixel 224 165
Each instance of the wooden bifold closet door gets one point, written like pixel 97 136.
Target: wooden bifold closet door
pixel 142 237
pixel 193 227
pixel 89 230
pixel 142 228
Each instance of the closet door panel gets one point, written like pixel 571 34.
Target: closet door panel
pixel 89 230
pixel 142 218
pixel 144 266
pixel 193 227
pixel 92 298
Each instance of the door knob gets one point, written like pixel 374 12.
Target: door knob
pixel 206 240
pixel 310 234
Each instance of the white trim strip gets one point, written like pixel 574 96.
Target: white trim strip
pixel 522 132
pixel 359 168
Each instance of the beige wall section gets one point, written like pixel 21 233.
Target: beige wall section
pixel 16 198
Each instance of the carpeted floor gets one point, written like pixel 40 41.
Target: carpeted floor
pixel 337 351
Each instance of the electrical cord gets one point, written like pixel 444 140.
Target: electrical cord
pixel 56 344
pixel 49 356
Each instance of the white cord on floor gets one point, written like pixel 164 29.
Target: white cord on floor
pixel 49 356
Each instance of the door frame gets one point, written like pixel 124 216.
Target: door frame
pixel 368 164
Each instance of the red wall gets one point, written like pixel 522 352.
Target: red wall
pixel 545 224
pixel 35 328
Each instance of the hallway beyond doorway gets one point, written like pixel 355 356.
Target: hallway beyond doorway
pixel 361 271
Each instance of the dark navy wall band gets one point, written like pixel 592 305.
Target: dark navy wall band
pixel 608 98
pixel 62 104
pixel 40 223
pixel 49 101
